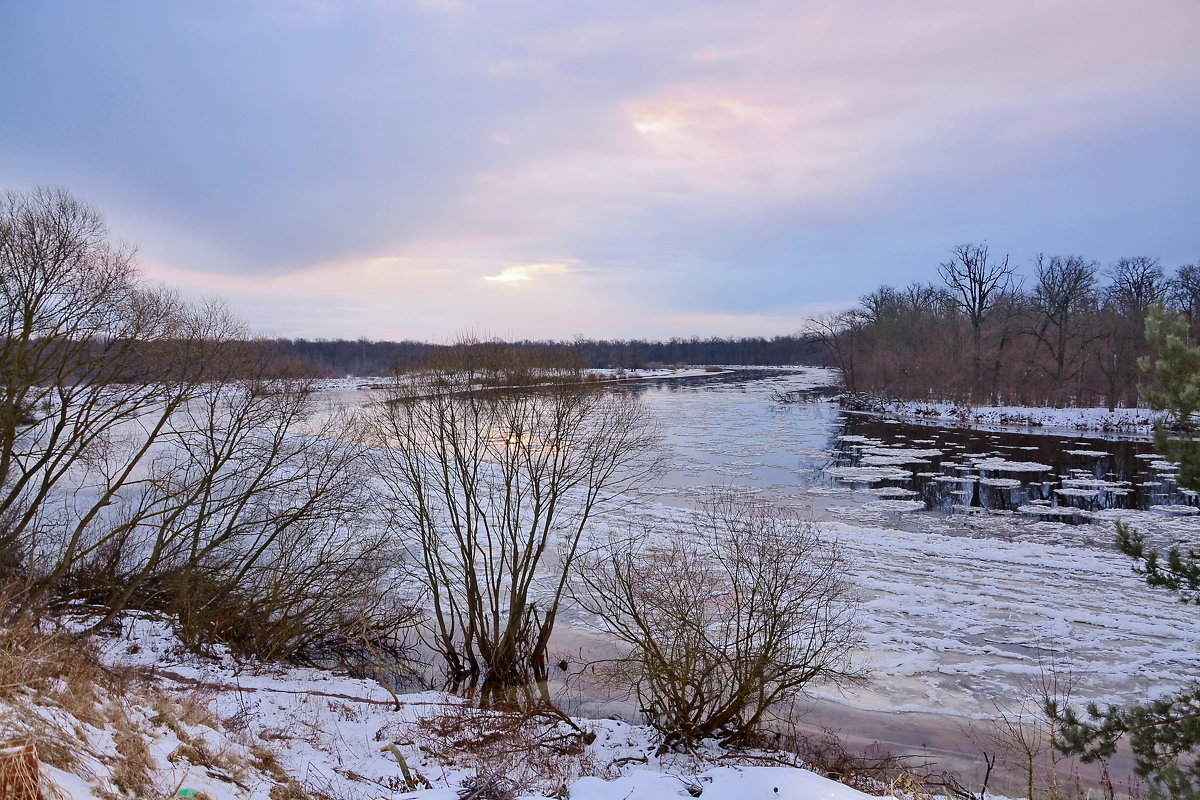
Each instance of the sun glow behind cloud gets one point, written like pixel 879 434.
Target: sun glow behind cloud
pixel 519 273
pixel 698 127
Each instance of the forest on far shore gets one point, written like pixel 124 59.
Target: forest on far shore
pixel 362 357
pixel 1071 333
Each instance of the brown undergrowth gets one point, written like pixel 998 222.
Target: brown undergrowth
pixel 515 751
pixel 102 724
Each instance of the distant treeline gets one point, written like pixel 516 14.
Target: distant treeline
pixel 1069 333
pixel 362 357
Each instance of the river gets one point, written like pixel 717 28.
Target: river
pixel 981 558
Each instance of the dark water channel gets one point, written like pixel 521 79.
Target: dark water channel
pixel 1061 477
pixel 778 432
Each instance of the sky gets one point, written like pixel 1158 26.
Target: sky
pixel 422 169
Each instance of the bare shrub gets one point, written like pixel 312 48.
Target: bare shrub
pixel 496 458
pixel 724 618
pixel 316 590
pixel 534 749
pixel 250 527
pixel 1022 743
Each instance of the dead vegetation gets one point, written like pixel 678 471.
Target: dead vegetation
pixel 57 674
pixel 488 484
pixel 724 622
pixel 102 724
pixel 511 752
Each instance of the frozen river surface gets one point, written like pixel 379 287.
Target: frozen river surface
pixel 963 602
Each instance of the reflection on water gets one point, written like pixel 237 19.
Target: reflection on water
pixel 729 430
pixel 732 429
pixel 1050 477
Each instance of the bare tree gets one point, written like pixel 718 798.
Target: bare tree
pixel 153 457
pixel 976 283
pixel 1063 296
pixel 1136 285
pixel 838 333
pixel 884 302
pixel 95 363
pixel 1185 291
pixel 496 459
pixel 724 620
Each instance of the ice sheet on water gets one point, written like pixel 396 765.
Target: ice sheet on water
pixel 997 464
pixel 1077 492
pixel 867 474
pixel 1176 511
pixel 1000 483
pixel 896 506
pixel 890 460
pixel 892 491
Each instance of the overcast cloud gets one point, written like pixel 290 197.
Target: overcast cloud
pixel 611 168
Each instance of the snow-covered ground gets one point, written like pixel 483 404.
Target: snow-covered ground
pixel 957 611
pixel 1100 420
pixel 238 731
pixel 352 383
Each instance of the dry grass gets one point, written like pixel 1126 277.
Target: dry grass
pixel 134 769
pixel 267 762
pixel 191 708
pixel 100 724
pixel 195 752
pixel 56 742
pixel 56 694
pixel 287 791
pixel 57 668
pixel 49 670
pixel 535 750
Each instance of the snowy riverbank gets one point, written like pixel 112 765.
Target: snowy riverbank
pixel 366 383
pixel 229 730
pixel 1121 421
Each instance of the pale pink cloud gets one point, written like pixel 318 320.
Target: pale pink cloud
pixel 789 111
pixel 822 105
